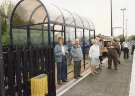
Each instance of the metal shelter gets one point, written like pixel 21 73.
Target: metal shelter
pixel 34 28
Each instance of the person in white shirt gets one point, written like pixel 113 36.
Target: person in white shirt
pixel 126 50
pixel 94 54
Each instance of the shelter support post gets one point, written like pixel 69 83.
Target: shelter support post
pixel 2 89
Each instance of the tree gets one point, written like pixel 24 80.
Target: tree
pixel 6 9
pixel 120 37
pixel 132 37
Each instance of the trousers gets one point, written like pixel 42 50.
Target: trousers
pixel 77 68
pixel 62 70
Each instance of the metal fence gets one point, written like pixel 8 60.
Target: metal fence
pixel 36 35
pixel 21 65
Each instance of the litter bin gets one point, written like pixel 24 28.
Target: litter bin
pixel 39 85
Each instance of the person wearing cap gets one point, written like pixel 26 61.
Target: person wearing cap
pixel 77 55
pixel 61 60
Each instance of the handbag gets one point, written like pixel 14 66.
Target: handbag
pixel 104 50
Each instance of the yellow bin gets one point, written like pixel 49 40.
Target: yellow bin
pixel 39 85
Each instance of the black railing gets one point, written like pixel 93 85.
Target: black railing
pixel 20 65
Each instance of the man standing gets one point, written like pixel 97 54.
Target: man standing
pixel 133 48
pixel 112 56
pixel 77 56
pixel 125 50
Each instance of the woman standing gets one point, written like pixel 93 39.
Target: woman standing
pixel 61 60
pixel 94 54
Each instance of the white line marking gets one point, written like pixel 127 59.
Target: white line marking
pixel 72 83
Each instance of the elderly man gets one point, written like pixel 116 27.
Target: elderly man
pixel 112 56
pixel 77 56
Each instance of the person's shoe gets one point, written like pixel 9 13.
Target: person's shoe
pixel 64 80
pixel 96 72
pixel 119 62
pixel 59 83
pixel 80 76
pixel 92 74
pixel 76 77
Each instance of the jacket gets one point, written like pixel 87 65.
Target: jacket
pixel 76 53
pixel 58 53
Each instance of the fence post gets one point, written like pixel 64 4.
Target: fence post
pixel 51 73
pixel 2 89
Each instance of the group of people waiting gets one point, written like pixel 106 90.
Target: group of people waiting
pixel 96 53
pixel 61 53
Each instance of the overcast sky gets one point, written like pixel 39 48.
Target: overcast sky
pixel 99 12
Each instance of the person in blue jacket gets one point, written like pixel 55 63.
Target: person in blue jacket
pixel 61 60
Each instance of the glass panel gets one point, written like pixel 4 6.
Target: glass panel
pixel 20 37
pixel 79 20
pixel 79 33
pixel 86 34
pixel 39 36
pixel 54 13
pixel 69 18
pixel 87 46
pixel 56 36
pixel 92 34
pixel 70 34
pixel 36 37
pixel 45 38
pixel 39 16
pixel 70 37
pixel 58 28
pixel 86 23
pixel 92 27
pixel 24 11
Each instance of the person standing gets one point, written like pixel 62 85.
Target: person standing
pixel 61 60
pixel 70 44
pixel 101 46
pixel 133 48
pixel 112 56
pixel 94 54
pixel 126 50
pixel 118 49
pixel 77 56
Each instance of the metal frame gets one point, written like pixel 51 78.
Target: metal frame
pixel 49 28
pixel 2 89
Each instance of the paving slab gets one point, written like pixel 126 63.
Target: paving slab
pixel 106 83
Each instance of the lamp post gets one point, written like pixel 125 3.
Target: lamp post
pixel 111 18
pixel 123 11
